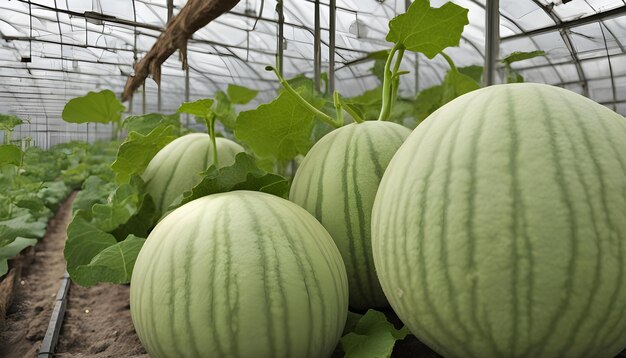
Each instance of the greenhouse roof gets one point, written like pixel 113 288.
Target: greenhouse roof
pixel 54 50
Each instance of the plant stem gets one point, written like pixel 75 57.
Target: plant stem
pixel 388 81
pixel 211 124
pixel 449 61
pixel 319 114
pixel 338 107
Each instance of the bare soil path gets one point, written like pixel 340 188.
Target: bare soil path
pixel 97 319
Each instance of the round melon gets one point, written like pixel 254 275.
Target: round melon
pixel 176 167
pixel 239 274
pixel 337 183
pixel 499 229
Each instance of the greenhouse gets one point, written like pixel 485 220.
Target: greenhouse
pixel 313 178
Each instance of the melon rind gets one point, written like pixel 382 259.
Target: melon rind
pixel 499 228
pixel 337 182
pixel 239 274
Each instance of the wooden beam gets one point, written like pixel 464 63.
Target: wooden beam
pixel 193 16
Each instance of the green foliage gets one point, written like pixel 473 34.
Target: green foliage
pixel 8 122
pixel 373 337
pixel 279 130
pixel 146 123
pixel 244 174
pixel 10 154
pixel 240 94
pixel 521 56
pixel 114 264
pixel 22 225
pixel 138 149
pixel 199 108
pixel 428 30
pixel 11 250
pixel 99 107
pixel 511 75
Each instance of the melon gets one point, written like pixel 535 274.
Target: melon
pixel 499 228
pixel 337 183
pixel 176 167
pixel 239 274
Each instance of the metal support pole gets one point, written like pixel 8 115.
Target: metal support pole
pixel 317 48
pixel 143 98
pixel 159 99
pixel 170 10
pixel 492 40
pixel 187 94
pixel 281 36
pixel 331 45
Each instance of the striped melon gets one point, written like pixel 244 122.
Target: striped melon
pixel 337 183
pixel 239 274
pixel 176 168
pixel 499 229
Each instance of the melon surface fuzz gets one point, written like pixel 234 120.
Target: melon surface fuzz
pixel 176 168
pixel 499 229
pixel 337 183
pixel 239 274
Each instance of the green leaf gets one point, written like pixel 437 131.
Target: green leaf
pixel 11 250
pixel 373 337
pixel 521 56
pixel 10 154
pixel 280 129
pixel 378 55
pixel 428 30
pixel 200 108
pixel 9 121
pixel 84 242
pixel 224 110
pixel 114 264
pixel 100 107
pixel 138 149
pixel 148 122
pixel 474 72
pixel 94 191
pixel 456 84
pixel 244 174
pixel 240 94
pixel 21 226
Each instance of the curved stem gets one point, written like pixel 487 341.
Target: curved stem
pixel 338 107
pixel 319 114
pixel 388 81
pixel 449 61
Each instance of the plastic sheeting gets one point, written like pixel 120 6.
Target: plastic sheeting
pixel 53 50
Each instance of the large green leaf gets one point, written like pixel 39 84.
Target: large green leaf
pixel 11 250
pixel 373 337
pixel 200 108
pixel 114 264
pixel 240 94
pixel 146 123
pixel 224 110
pixel 94 191
pixel 100 107
pixel 21 226
pixel 428 30
pixel 10 154
pixel 280 129
pixel 138 149
pixel 84 242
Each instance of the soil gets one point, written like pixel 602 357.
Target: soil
pixel 97 320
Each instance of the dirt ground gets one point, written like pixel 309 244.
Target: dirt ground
pixel 97 320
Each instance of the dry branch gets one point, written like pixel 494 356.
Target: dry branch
pixel 192 17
